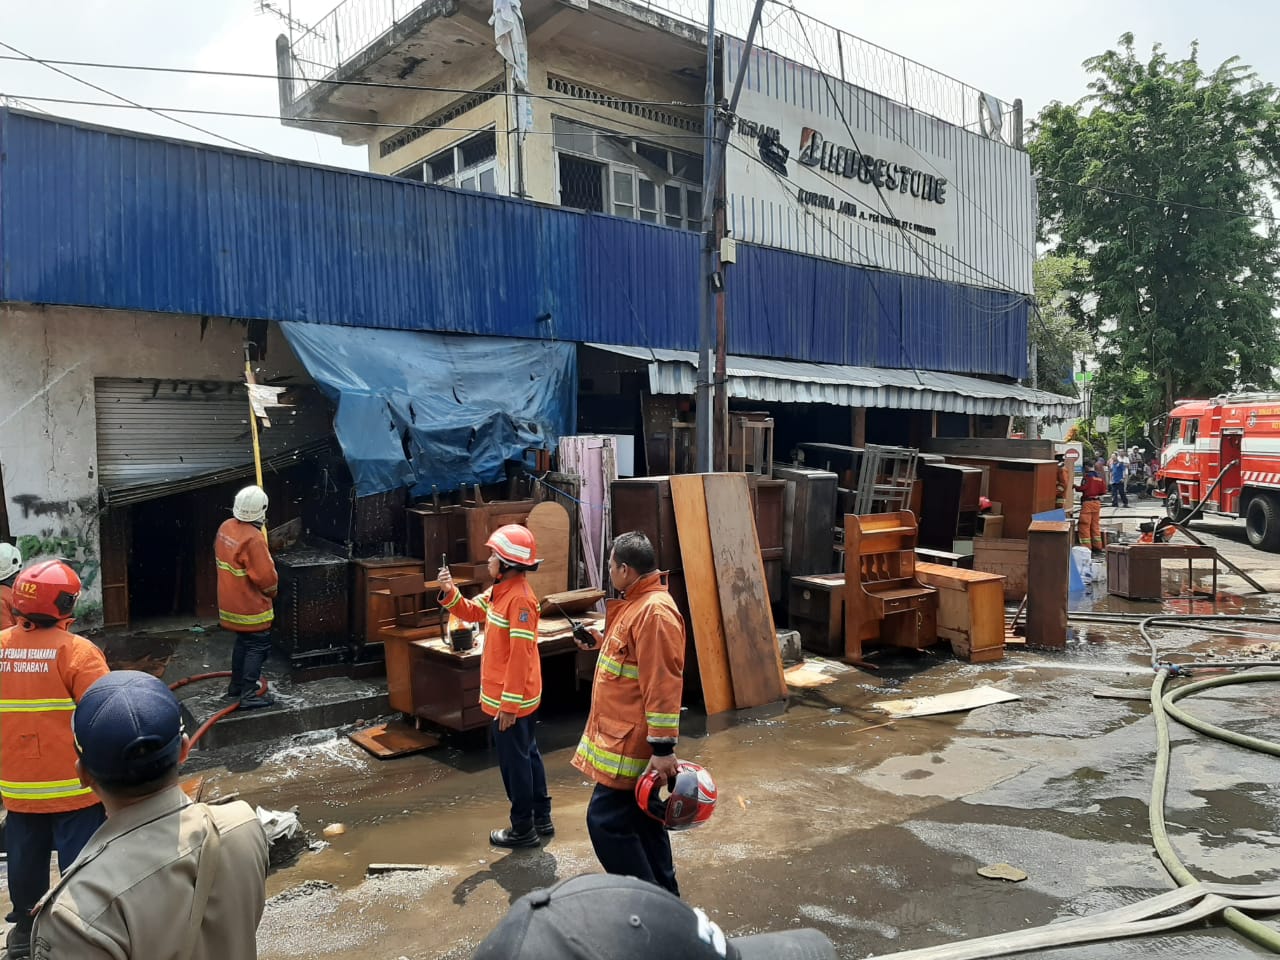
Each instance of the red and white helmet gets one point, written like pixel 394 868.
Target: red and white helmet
pixel 49 589
pixel 690 800
pixel 514 544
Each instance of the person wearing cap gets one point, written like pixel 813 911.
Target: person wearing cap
pixel 46 671
pixel 247 584
pixel 635 714
pixel 510 678
pixel 163 878
pixel 589 917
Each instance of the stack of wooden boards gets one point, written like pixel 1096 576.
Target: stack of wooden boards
pixel 702 525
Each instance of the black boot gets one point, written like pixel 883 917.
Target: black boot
pixel 513 840
pixel 17 945
pixel 545 827
pixel 249 698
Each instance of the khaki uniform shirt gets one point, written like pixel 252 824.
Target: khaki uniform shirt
pixel 130 892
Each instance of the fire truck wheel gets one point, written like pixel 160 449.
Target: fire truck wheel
pixel 1174 508
pixel 1262 522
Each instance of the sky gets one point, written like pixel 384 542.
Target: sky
pixel 1011 48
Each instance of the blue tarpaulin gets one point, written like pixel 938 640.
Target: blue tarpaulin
pixel 421 409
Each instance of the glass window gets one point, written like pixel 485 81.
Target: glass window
pixel 623 187
pixel 655 155
pixel 686 166
pixel 481 147
pixel 573 136
pixel 1175 426
pixel 489 180
pixel 1190 431
pixel 693 208
pixel 648 195
pixel 673 205
pixel 441 166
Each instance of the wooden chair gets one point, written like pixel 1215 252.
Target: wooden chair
pixel 884 602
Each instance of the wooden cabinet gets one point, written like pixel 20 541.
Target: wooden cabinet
pixel 644 504
pixel 970 610
pixel 809 517
pixel 1022 487
pixel 768 499
pixel 949 503
pixel 370 612
pixel 443 687
pixel 816 611
pixel 1048 581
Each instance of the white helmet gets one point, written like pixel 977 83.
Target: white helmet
pixel 10 560
pixel 250 505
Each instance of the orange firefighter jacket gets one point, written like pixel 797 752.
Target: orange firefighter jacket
pixel 510 666
pixel 247 577
pixel 7 618
pixel 43 674
pixel 635 698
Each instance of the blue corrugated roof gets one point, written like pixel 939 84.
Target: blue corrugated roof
pixel 109 218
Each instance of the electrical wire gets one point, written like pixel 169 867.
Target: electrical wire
pixel 326 122
pixel 1270 218
pixel 56 69
pixel 376 84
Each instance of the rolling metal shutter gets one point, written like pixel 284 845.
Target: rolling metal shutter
pixel 160 437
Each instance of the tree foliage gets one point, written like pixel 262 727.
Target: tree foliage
pixel 1162 181
pixel 1056 332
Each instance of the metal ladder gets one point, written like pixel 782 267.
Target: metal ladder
pixel 886 479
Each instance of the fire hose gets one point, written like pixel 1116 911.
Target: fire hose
pixel 1202 901
pixel 216 675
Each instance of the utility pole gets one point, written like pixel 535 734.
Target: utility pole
pixel 716 135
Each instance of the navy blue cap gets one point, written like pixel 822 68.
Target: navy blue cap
pixel 622 918
pixel 128 728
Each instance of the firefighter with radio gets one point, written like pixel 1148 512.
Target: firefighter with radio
pixel 247 585
pixel 635 715
pixel 511 678
pixel 1089 529
pixel 45 670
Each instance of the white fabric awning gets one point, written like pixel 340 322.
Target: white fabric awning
pixel 791 381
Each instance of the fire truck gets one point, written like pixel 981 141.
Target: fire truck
pixel 1226 450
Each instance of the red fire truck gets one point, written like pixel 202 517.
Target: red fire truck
pixel 1238 434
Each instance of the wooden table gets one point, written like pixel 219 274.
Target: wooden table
pixel 1133 569
pixel 443 686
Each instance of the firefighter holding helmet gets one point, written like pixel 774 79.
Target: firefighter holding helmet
pixel 44 671
pixel 510 678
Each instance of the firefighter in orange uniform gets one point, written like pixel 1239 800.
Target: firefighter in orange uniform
pixel 10 564
pixel 44 671
pixel 247 582
pixel 635 714
pixel 511 678
pixel 1089 528
pixel 1061 500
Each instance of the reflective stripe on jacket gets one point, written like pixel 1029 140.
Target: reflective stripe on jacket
pixel 43 673
pixel 510 666
pixel 635 698
pixel 246 577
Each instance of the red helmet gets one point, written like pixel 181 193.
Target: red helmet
pixel 514 544
pixel 689 803
pixel 48 589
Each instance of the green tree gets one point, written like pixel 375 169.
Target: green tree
pixel 1056 330
pixel 1162 180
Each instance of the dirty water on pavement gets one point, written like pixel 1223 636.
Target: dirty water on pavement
pixel 871 835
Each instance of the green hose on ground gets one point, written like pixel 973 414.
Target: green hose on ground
pixel 1163 706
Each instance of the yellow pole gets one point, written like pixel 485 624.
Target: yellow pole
pixel 253 430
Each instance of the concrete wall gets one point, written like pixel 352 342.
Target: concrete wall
pixel 606 71
pixel 48 426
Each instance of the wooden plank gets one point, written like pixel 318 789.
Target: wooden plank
pixel 755 662
pixel 690 502
pixel 393 739
pixel 945 702
pixel 549 523
pixel 1048 581
pixel 571 601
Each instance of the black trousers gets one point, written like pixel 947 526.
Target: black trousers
pixel 247 657
pixel 30 838
pixel 1118 494
pixel 522 773
pixel 627 841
